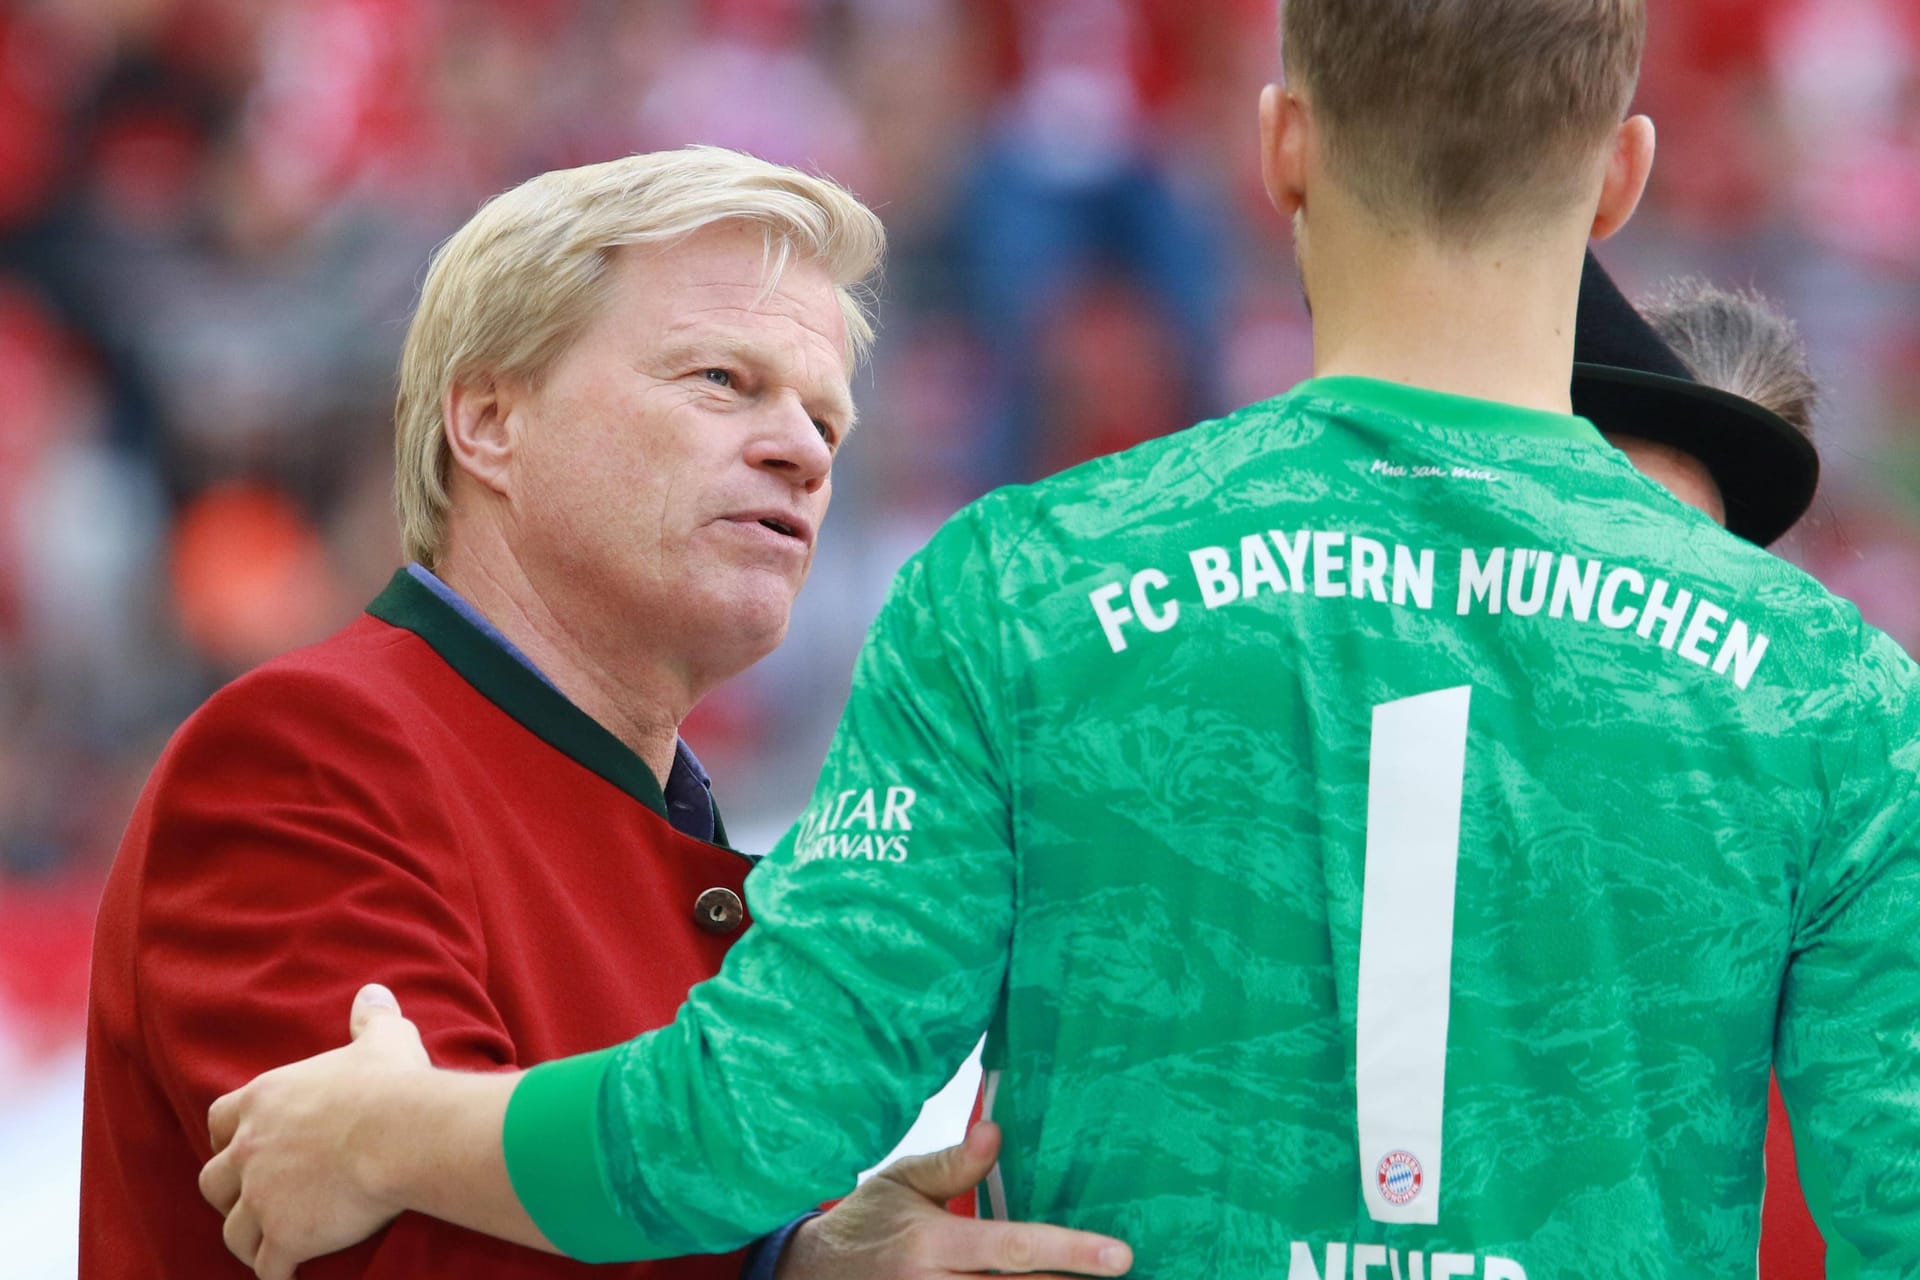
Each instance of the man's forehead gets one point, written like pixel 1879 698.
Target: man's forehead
pixel 743 296
pixel 749 316
pixel 718 290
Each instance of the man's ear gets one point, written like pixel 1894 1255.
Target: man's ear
pixel 479 435
pixel 1629 162
pixel 1283 148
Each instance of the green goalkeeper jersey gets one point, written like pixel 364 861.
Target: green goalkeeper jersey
pixel 1383 836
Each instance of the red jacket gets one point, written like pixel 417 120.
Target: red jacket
pixel 1790 1244
pixel 403 803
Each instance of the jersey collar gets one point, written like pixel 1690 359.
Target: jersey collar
pixel 1440 409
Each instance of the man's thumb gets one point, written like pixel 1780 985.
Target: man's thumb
pixel 370 1003
pixel 955 1171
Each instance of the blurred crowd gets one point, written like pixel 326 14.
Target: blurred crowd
pixel 214 215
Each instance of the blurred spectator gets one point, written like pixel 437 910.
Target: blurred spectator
pixel 1068 192
pixel 1848 78
pixel 250 577
pixel 745 77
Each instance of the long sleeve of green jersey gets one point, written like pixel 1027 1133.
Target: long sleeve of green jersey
pixel 1848 1039
pixel 879 943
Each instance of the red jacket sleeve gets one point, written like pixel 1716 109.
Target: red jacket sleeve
pixel 297 850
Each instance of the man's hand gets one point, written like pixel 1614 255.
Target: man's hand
pixel 288 1170
pixel 895 1226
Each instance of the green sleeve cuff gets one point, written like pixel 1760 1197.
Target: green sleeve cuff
pixel 557 1166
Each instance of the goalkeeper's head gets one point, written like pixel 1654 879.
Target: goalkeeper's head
pixel 1465 122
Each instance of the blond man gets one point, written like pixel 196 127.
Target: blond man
pixel 1379 841
pixel 619 406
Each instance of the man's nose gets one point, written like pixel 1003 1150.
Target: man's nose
pixel 789 443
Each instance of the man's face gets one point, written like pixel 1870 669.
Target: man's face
pixel 672 470
pixel 1681 474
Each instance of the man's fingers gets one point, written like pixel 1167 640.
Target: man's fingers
pixel 271 1264
pixel 242 1234
pixel 222 1118
pixel 371 1002
pixel 971 1244
pixel 955 1171
pixel 378 1024
pixel 220 1182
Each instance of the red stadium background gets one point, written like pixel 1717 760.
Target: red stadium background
pixel 214 215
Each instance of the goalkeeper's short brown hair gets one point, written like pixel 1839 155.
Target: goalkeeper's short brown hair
pixel 1462 117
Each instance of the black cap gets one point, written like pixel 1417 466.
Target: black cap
pixel 1627 381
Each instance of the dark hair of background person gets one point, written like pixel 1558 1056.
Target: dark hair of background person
pixel 1738 342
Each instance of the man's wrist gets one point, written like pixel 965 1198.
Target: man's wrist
pixel 430 1141
pixel 391 1111
pixel 767 1257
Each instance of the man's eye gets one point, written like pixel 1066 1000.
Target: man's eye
pixel 718 377
pixel 826 431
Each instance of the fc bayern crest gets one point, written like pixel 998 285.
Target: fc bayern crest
pixel 1400 1177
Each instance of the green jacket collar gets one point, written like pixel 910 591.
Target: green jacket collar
pixel 1440 409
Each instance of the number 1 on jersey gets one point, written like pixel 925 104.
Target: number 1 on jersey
pixel 1416 776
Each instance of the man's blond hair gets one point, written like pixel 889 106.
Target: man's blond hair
pixel 1459 118
pixel 514 287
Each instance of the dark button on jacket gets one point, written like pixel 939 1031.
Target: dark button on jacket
pixel 718 910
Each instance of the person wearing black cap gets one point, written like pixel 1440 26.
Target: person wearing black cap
pixel 1749 358
pixel 1742 461
pixel 1740 342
